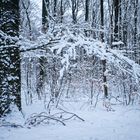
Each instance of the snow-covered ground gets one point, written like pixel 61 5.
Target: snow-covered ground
pixel 121 124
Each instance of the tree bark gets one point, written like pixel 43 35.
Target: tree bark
pixel 135 28
pixel 55 7
pixel 116 17
pixel 45 15
pixel 61 11
pixel 102 39
pixel 10 81
pixel 86 10
pixel 74 10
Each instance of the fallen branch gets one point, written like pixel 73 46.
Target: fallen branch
pixel 42 117
pixel 73 115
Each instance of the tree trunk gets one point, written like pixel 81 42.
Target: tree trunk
pixel 116 17
pixel 74 10
pixel 103 61
pixel 135 28
pixel 55 7
pixel 87 10
pixel 45 15
pixel 61 11
pixel 102 19
pixel 10 80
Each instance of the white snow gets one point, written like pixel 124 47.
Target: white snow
pixel 117 43
pixel 121 124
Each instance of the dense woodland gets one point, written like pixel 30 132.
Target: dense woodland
pixel 69 49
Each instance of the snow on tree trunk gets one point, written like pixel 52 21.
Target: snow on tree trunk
pixel 9 56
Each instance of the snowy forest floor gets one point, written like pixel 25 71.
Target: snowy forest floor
pixel 121 124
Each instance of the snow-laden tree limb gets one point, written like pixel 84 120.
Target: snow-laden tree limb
pixel 93 47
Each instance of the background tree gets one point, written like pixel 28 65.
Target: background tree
pixel 102 39
pixel 116 6
pixel 87 10
pixel 55 8
pixel 45 15
pixel 74 10
pixel 136 30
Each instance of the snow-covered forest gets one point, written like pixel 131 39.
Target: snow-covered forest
pixel 70 69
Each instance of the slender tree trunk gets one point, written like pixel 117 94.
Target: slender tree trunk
pixel 42 76
pixel 102 39
pixel 45 15
pixel 74 10
pixel 120 20
pixel 116 17
pixel 135 28
pixel 55 7
pixel 125 25
pixel 61 11
pixel 110 5
pixel 86 10
pixel 102 19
